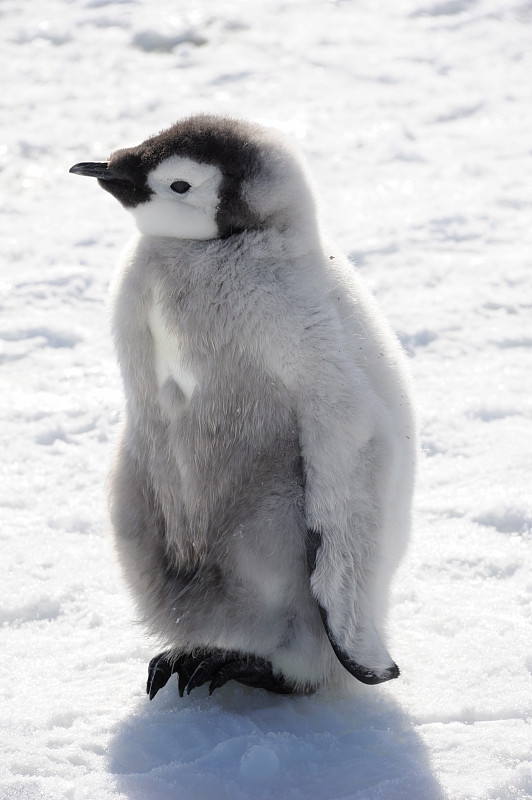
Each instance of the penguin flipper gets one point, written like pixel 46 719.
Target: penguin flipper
pixel 363 674
pixel 376 653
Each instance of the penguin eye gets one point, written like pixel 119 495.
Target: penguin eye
pixel 180 187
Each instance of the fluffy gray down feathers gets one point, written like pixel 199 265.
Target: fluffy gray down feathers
pixel 266 399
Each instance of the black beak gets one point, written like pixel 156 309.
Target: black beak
pixel 99 169
pixel 125 190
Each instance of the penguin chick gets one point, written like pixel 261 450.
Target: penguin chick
pixel 261 492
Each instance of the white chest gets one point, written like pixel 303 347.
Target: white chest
pixel 169 360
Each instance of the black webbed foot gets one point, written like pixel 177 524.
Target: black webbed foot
pixel 260 675
pixel 215 667
pixel 221 667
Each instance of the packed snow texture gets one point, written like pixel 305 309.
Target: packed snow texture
pixel 415 117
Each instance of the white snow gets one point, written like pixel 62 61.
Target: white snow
pixel 416 119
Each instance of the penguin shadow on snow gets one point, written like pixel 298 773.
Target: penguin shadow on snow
pixel 243 743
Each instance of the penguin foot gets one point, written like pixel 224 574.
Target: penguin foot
pixel 215 667
pixel 220 666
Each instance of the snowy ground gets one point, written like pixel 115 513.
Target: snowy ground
pixel 415 117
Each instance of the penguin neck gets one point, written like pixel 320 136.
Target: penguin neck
pixel 293 241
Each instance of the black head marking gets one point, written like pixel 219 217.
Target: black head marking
pixel 129 184
pixel 225 143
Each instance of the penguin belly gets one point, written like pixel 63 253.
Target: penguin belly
pixel 231 486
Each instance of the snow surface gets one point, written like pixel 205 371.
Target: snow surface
pixel 416 119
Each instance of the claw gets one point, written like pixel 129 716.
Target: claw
pixel 208 669
pixel 186 669
pixel 159 671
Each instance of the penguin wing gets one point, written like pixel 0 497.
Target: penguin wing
pixel 344 450
pixel 347 446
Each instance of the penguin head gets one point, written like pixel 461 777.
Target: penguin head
pixel 208 177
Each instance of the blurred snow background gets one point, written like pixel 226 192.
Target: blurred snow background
pixel 416 119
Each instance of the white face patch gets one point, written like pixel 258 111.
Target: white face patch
pixel 169 362
pixel 191 215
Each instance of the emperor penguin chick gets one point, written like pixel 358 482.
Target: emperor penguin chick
pixel 261 492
